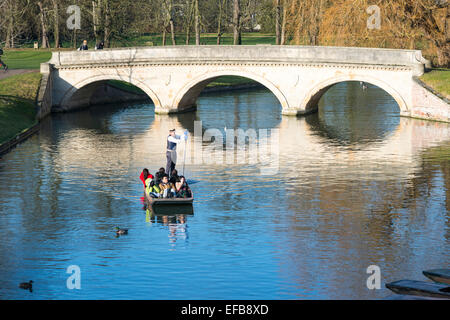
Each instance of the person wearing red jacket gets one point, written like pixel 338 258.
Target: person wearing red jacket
pixel 145 174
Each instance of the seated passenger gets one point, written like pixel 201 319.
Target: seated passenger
pixel 167 189
pixel 144 175
pixel 153 189
pixel 182 189
pixel 158 176
pixel 174 178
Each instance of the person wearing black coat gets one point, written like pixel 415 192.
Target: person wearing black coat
pixel 84 46
pixel 2 64
pixel 100 46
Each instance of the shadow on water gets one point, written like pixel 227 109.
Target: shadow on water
pixel 105 119
pixel 349 115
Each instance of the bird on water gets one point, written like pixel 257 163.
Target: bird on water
pixel 120 231
pixel 27 285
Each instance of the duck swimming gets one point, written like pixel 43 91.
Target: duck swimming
pixel 121 231
pixel 27 285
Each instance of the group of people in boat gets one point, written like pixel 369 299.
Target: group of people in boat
pixel 161 185
pixel 166 183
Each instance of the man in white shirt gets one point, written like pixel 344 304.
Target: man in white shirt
pixel 172 141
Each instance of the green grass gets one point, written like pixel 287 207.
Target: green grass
pixel 248 38
pixel 230 81
pixel 219 82
pixel 125 86
pixel 439 80
pixel 16 115
pixel 17 108
pixel 25 58
pixel 24 86
pixel 205 39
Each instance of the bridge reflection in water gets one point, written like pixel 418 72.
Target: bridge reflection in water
pixel 356 185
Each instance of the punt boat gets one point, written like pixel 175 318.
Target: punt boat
pixel 169 201
pixel 420 288
pixel 438 275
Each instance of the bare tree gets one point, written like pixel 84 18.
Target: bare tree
pixel 45 43
pixel 95 18
pixel 168 20
pixel 13 12
pixel 107 23
pixel 284 22
pixel 237 37
pixel 189 9
pixel 56 22
pixel 197 24
pixel 219 20
pixel 277 21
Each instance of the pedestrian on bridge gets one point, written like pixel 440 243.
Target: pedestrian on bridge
pixel 84 46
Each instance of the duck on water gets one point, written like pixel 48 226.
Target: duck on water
pixel 27 285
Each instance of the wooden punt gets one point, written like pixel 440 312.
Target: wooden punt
pixel 169 201
pixel 177 210
pixel 420 288
pixel 438 275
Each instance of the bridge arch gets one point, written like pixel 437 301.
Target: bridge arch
pixel 187 96
pixel 311 101
pixel 66 101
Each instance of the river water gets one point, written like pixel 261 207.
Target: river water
pixel 352 186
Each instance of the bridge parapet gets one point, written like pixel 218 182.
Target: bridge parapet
pixel 243 54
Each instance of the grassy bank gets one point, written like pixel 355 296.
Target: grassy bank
pixel 16 115
pixel 230 81
pixel 125 86
pixel 24 86
pixel 17 104
pixel 224 81
pixel 25 58
pixel 439 80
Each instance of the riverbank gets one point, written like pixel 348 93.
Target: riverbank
pixel 16 117
pixel 17 108
pixel 24 85
pixel 439 81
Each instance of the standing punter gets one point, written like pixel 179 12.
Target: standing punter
pixel 171 153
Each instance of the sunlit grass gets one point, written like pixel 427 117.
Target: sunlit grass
pixel 439 80
pixel 230 81
pixel 219 82
pixel 25 58
pixel 23 85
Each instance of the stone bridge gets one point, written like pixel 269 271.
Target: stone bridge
pixel 174 76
